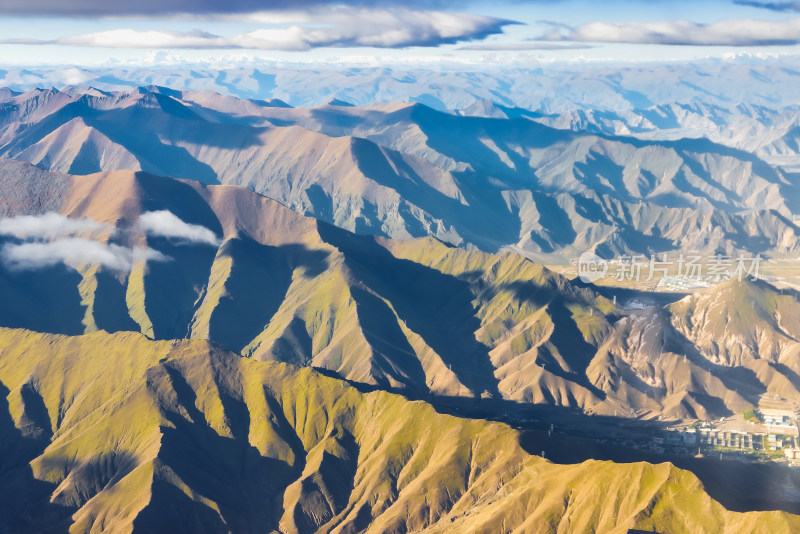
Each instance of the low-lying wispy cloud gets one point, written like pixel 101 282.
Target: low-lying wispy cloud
pixel 75 251
pixel 742 32
pixel 166 224
pixel 772 6
pixel 49 225
pixel 342 26
pixel 53 239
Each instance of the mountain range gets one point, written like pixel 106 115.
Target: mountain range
pixel 225 313
pixel 769 133
pixel 406 170
pixel 545 87
pixel 171 259
pixel 116 432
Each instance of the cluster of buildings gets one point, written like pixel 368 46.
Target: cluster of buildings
pixel 777 430
pixel 683 283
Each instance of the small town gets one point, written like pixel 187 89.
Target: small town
pixel 767 433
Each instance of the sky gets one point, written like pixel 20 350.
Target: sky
pixel 513 32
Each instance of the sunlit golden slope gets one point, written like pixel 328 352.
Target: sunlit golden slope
pixel 117 432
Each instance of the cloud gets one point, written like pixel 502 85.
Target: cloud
pixel 106 8
pixel 772 6
pixel 742 32
pixel 341 26
pixel 524 46
pixel 166 224
pixel 74 251
pixel 126 38
pixel 49 225
pixel 52 238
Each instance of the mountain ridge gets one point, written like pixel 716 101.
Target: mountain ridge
pixel 417 316
pixel 321 456
pixel 408 171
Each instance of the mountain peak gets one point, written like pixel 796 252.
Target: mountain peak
pixel 273 103
pixel 339 103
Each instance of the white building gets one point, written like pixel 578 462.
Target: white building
pixel 774 416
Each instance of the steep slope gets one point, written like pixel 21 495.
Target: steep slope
pixel 117 432
pixel 276 285
pixel 556 191
pixel 762 336
pixel 515 150
pixel 224 264
pixel 768 132
pixel 724 346
pixel 767 328
pixel 79 149
pixel 401 170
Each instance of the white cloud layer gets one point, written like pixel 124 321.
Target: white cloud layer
pixel 50 225
pixel 166 224
pixel 74 251
pixel 342 26
pixel 742 32
pixel 51 239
